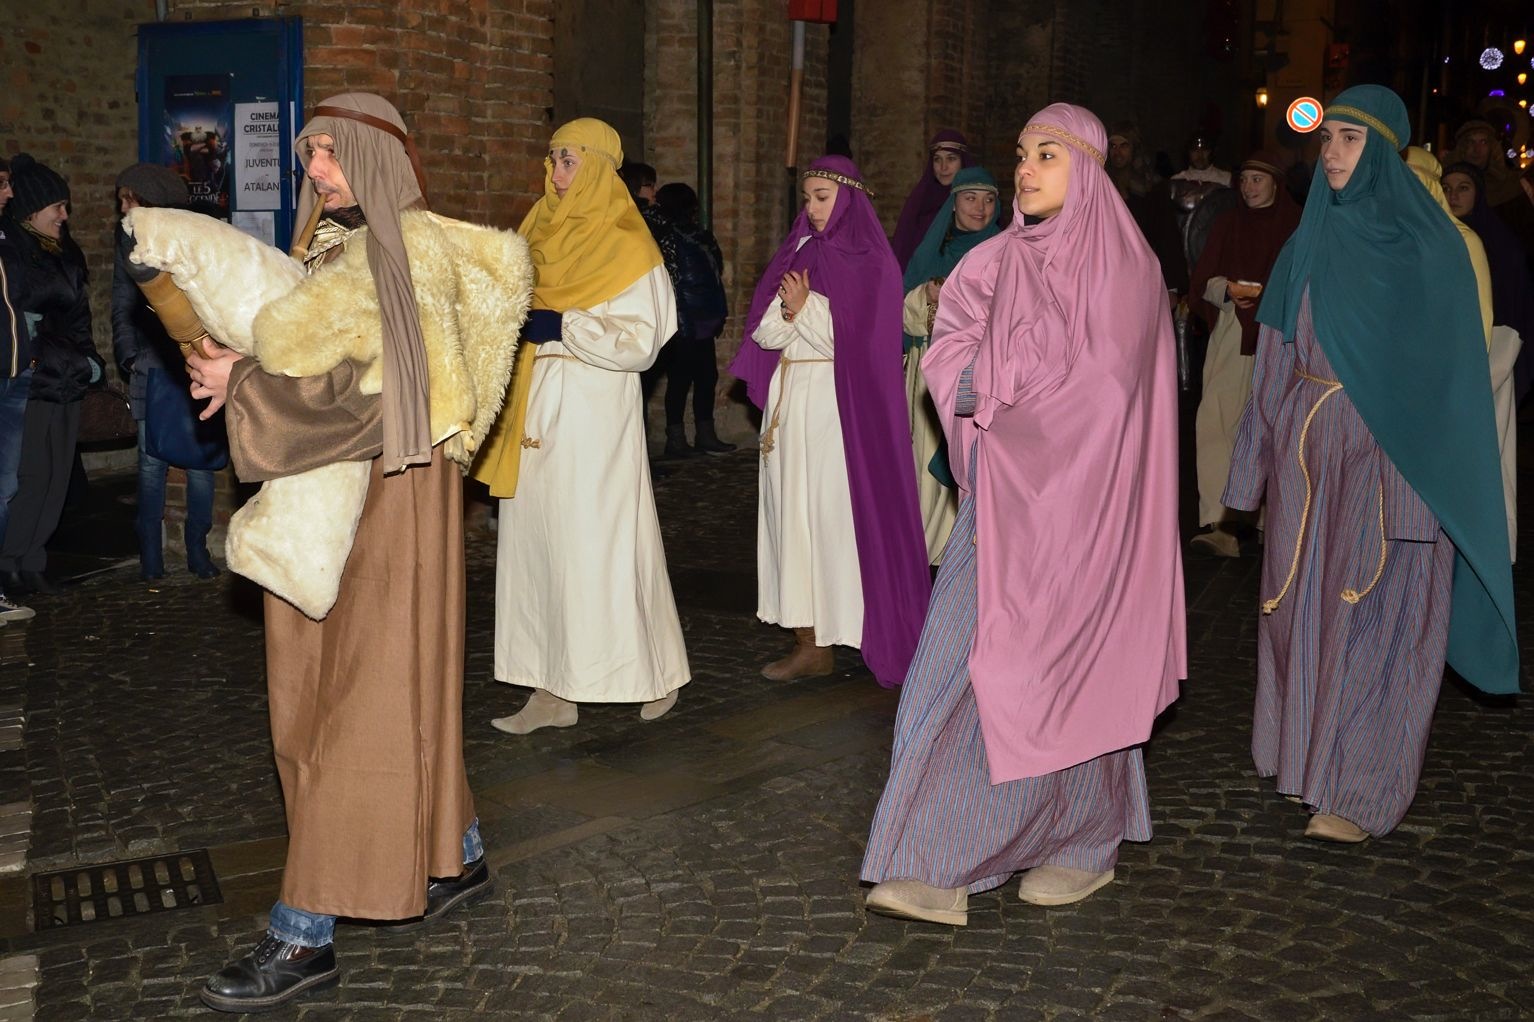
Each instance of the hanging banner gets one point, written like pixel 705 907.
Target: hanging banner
pixel 257 157
pixel 197 126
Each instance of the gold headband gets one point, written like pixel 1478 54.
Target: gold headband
pixel 975 186
pixel 1060 133
pixel 958 147
pixel 1368 119
pixel 841 179
pixel 549 158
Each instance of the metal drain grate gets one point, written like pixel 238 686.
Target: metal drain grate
pixel 115 890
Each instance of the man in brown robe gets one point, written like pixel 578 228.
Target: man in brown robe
pixel 366 705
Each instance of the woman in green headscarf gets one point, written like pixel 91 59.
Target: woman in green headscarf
pixel 1370 431
pixel 967 217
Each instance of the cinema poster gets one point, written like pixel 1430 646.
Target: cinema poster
pixel 199 120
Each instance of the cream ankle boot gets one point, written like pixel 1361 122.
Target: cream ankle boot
pixel 1060 885
pixel 655 709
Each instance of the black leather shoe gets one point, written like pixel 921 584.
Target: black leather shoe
pixel 40 583
pixel 272 974
pixel 442 896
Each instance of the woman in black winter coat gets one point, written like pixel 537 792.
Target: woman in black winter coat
pixel 58 316
pixel 701 301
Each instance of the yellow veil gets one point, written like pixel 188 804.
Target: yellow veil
pixel 1428 170
pixel 587 247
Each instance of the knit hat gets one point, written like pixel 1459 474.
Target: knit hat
pixel 35 185
pixel 155 185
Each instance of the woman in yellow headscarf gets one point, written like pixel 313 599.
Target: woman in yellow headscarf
pixel 584 610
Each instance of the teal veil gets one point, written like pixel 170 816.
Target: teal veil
pixel 1395 307
pixel 939 252
pixel 944 244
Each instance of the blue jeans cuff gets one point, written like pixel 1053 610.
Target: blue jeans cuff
pixel 295 926
pixel 473 847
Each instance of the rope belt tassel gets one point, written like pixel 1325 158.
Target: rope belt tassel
pixel 1350 595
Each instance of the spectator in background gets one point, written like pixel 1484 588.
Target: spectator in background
pixel 58 313
pixel 702 308
pixel 640 180
pixel 1129 166
pixel 15 372
pixel 1477 144
pixel 142 347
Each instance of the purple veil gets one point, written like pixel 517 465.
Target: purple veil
pixel 926 198
pixel 851 264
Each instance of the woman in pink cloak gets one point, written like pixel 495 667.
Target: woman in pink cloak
pixel 1056 630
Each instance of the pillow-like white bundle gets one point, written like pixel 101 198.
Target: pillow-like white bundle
pixel 227 275
pixel 294 536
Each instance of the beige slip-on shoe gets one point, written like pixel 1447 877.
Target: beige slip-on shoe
pixel 655 709
pixel 1060 885
pixel 1326 827
pixel 912 899
pixel 542 709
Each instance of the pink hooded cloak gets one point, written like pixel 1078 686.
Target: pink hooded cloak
pixel 1081 639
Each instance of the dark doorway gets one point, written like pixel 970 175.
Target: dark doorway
pixel 599 65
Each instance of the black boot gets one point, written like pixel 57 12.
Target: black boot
pixel 676 442
pixel 442 896
pixel 13 584
pixel 708 441
pixel 37 582
pixel 272 974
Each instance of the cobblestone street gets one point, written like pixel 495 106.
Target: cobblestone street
pixel 705 866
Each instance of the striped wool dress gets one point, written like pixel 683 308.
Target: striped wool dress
pixel 1355 590
pixel 941 820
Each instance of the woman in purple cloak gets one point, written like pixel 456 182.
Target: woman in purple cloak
pixel 841 557
pixel 947 154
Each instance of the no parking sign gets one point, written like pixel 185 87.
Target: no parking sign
pixel 1304 115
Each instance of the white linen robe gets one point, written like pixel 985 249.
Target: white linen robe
pixel 583 605
pixel 806 549
pixel 939 504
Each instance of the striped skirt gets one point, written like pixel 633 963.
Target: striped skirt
pixel 940 819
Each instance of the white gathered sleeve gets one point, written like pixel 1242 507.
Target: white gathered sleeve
pixel 626 333
pixel 807 562
pixel 584 607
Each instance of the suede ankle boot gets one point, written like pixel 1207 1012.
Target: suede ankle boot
pixel 805 660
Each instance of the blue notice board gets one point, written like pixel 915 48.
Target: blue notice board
pixel 218 102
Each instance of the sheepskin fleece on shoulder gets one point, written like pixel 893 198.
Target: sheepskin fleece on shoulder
pixel 226 275
pixel 472 287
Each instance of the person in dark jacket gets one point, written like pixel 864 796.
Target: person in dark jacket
pixel 142 346
pixel 640 180
pixel 58 315
pixel 701 303
pixel 15 374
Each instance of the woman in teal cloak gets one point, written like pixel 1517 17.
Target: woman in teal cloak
pixel 967 218
pixel 1370 431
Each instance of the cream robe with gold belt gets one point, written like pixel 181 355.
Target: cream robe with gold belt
pixel 583 605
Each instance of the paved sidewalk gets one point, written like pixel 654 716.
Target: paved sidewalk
pixel 705 866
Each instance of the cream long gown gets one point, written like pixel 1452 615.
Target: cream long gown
pixel 806 550
pixel 1227 385
pixel 583 605
pixel 939 504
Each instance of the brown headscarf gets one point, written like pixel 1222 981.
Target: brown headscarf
pixel 383 179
